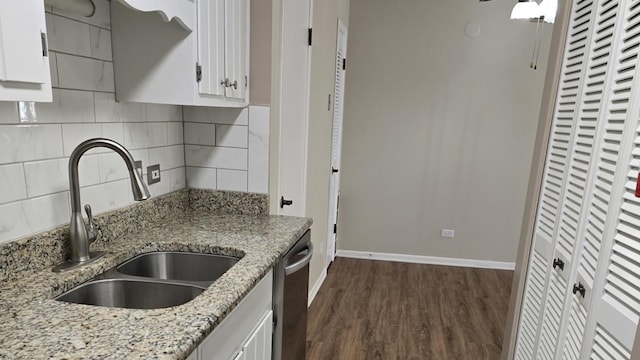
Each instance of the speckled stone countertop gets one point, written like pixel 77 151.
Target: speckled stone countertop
pixel 34 326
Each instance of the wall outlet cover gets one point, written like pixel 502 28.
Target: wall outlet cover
pixel 153 174
pixel 448 233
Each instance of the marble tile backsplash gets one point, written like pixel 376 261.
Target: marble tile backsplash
pixel 227 149
pixel 36 139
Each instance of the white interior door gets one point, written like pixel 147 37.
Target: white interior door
pixel 294 106
pixel 336 140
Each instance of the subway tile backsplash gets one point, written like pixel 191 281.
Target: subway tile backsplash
pixel 227 149
pixel 20 143
pixel 76 72
pixel 213 148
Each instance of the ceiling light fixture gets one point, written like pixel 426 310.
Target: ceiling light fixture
pixel 525 9
pixel 548 9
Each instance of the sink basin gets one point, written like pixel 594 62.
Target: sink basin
pixel 132 294
pixel 179 266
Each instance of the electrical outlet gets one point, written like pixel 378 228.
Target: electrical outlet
pixel 153 174
pixel 448 233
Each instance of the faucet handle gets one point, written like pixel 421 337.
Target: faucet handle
pixel 91 228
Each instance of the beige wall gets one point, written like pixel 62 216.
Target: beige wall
pixel 260 52
pixel 323 53
pixel 438 129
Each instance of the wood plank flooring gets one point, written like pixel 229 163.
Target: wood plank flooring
pixel 388 310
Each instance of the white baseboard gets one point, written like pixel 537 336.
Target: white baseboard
pixel 433 260
pixel 316 287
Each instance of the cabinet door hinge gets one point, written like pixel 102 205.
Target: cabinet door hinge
pixel 310 36
pixel 246 81
pixel 45 48
pixel 344 63
pixel 198 72
pixel 335 228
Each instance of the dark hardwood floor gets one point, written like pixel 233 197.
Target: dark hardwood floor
pixel 388 310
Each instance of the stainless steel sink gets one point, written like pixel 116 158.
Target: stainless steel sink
pixel 179 266
pixel 152 281
pixel 132 294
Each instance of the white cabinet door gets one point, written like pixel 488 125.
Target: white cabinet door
pixel 223 48
pixel 236 49
pixel 24 60
pixel 211 49
pixel 251 319
pixel 258 346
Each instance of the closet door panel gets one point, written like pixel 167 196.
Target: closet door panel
pixel 615 306
pixel 594 139
pixel 553 183
pixel 578 177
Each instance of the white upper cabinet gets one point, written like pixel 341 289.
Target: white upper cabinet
pixel 236 48
pixel 24 60
pixel 223 55
pixel 160 62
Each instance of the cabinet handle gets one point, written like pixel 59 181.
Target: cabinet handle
pixel 234 85
pixel 579 288
pixel 558 263
pixel 225 83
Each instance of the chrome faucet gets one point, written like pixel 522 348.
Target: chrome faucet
pixel 81 235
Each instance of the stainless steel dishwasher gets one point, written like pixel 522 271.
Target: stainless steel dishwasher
pixel 290 294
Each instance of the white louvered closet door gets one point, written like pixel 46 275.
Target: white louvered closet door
pixel 578 177
pixel 615 304
pixel 602 122
pixel 554 180
pixel 336 140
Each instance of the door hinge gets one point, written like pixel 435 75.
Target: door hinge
pixel 45 48
pixel 335 228
pixel 246 81
pixel 344 63
pixel 198 72
pixel 310 36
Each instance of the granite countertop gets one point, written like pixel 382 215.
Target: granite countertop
pixel 34 326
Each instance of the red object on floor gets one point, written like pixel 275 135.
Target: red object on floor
pixel 638 186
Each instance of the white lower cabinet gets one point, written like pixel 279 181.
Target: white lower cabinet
pixel 246 333
pixel 258 346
